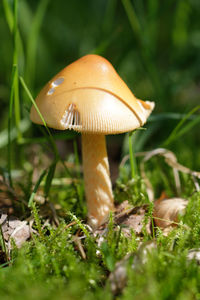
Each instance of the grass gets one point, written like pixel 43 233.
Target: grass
pixel 62 259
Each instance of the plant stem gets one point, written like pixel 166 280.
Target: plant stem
pixel 77 162
pixel 132 158
pixel 16 78
pixel 10 123
pixel 3 243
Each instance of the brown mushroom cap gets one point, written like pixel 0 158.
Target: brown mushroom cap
pixel 89 96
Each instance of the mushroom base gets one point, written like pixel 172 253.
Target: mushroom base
pixel 98 188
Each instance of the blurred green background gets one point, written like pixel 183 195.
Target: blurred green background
pixel 154 45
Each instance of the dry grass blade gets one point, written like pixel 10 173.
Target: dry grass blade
pixel 171 160
pixel 79 245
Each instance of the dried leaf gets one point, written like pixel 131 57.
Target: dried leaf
pixel 166 211
pixel 20 234
pixel 129 218
pixel 13 228
pixel 132 218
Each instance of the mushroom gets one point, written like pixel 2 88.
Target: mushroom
pixel 88 96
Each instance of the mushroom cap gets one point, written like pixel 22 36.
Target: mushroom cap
pixel 89 96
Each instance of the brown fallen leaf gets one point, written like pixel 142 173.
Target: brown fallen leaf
pixel 129 219
pixel 166 211
pixel 20 234
pixel 13 229
pixel 132 219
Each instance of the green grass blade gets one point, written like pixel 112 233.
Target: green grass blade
pixel 178 130
pixel 49 178
pixel 30 201
pixel 41 117
pixel 14 72
pixel 188 127
pixel 169 116
pixel 17 106
pixel 8 14
pixel 143 49
pixel 48 135
pixel 32 43
pixel 15 29
pixel 131 155
pixel 11 20
pixel 16 79
pixel 77 162
pixel 2 243
pixel 132 17
pixel 34 104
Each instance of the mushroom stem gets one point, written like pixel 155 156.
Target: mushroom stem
pixel 98 188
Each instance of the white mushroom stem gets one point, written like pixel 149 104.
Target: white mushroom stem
pixel 98 188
